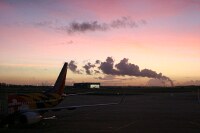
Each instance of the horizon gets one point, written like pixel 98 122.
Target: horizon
pixel 71 85
pixel 121 43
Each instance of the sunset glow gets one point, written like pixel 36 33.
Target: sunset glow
pixel 37 37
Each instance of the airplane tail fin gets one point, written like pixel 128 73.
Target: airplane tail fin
pixel 60 82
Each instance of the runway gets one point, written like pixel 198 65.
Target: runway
pixel 149 113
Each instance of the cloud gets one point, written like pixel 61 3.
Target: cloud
pixel 107 66
pixel 125 68
pixel 97 62
pixel 121 69
pixel 87 68
pixel 149 73
pixel 123 23
pixel 85 26
pixel 73 67
pixel 81 27
pixel 96 72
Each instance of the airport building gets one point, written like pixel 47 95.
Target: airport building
pixel 86 85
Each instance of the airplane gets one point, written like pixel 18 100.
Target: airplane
pixel 28 109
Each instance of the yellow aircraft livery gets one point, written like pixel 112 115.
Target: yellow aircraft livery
pixel 28 108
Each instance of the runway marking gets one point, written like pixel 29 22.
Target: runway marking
pixel 124 126
pixel 50 118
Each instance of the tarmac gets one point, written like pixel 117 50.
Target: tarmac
pixel 141 113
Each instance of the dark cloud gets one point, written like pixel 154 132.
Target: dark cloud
pixel 81 27
pixel 86 26
pixel 96 71
pixel 107 66
pixel 87 68
pixel 125 68
pixel 149 73
pixel 97 62
pixel 73 67
pixel 122 68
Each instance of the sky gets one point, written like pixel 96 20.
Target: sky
pixel 114 42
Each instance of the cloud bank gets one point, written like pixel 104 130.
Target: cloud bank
pixel 123 68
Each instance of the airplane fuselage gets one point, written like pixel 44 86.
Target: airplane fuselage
pixel 19 102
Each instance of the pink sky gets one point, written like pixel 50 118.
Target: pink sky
pixel 35 39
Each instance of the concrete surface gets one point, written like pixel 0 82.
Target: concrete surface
pixel 147 113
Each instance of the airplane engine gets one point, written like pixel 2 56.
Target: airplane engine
pixel 30 118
